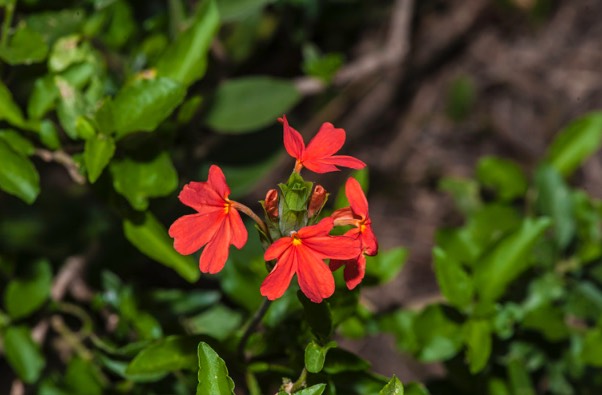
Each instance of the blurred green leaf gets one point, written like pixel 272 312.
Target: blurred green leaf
pixel 243 179
pixel 477 336
pixel 43 97
pixel 575 143
pixel 9 110
pixel 23 355
pixel 454 282
pixel 26 46
pixel 465 193
pixel 401 325
pixel 415 389
pixel 122 25
pixel 84 377
pixel 17 142
pixel 142 105
pixel 98 152
pixel 165 355
pixel 219 322
pixel 318 316
pixel 555 201
pixel 189 109
pixel 213 373
pixel 520 381
pixel 393 387
pixel 139 181
pixel 439 337
pixel 18 176
pixel 70 107
pixel 461 97
pixel 151 238
pixel 503 176
pixel 385 266
pixel 317 389
pixel 120 367
pixel 236 10
pixel 246 104
pixel 508 259
pixel 339 360
pixel 25 295
pixel 315 355
pixel 49 135
pixel 185 60
pixel 591 351
pixel 549 320
pixel 54 24
pixel 68 50
pixel 322 66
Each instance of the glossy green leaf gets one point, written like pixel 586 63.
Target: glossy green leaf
pixel 18 176
pixel 98 152
pixel 315 355
pixel 25 295
pixel 393 387
pixel 139 181
pixel 247 104
pixel 318 316
pixel 317 389
pixel 385 266
pixel 555 201
pixel 151 238
pixel 165 355
pixel 236 10
pixel 144 104
pixel 575 143
pixel 26 46
pixel 23 355
pixel 213 373
pixel 185 60
pixel 9 110
pixel 17 142
pixel 454 281
pixel 477 336
pixel 505 177
pixel 508 259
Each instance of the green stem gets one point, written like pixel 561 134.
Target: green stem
pixel 252 326
pixel 300 383
pixel 8 20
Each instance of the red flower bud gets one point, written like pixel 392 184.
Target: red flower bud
pixel 317 200
pixel 271 203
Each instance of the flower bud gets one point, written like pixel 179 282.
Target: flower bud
pixel 317 200
pixel 271 204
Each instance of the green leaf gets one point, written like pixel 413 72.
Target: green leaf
pixel 454 282
pixel 9 110
pixel 43 97
pixel 139 181
pixel 317 389
pixel 71 106
pixel 84 377
pixel 591 351
pixel 23 354
pixel 185 60
pixel 53 25
pixel 98 152
pixel 318 316
pixel 416 389
pixel 219 322
pixel 315 355
pixel 461 97
pixel 520 381
pixel 18 176
pixel 385 266
pixel 503 176
pixel 246 104
pixel 339 360
pixel 17 142
pixel 575 143
pixel 213 373
pixel 25 47
pixel 144 104
pixel 236 10
pixel 151 238
pixel 68 50
pixel 477 336
pixel 393 387
pixel 165 355
pixel 555 201
pixel 439 338
pixel 508 259
pixel 25 295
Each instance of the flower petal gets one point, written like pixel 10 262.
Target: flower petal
pixel 215 254
pixel 277 282
pixel 334 247
pixel 322 228
pixel 317 166
pixel 293 141
pixel 369 242
pixel 326 142
pixel 356 197
pixel 343 161
pixel 355 271
pixel 335 264
pixel 217 181
pixel 191 232
pixel 238 231
pixel 277 248
pixel 201 197
pixel 314 276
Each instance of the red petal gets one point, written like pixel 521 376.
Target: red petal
pixel 293 141
pixel 369 242
pixel 277 282
pixel 326 142
pixel 238 230
pixel 343 217
pixel 201 197
pixel 277 248
pixel 217 181
pixel 317 166
pixel 354 271
pixel 322 228
pixel 215 254
pixel 334 247
pixel 356 197
pixel 344 161
pixel 314 276
pixel 191 232
pixel 335 264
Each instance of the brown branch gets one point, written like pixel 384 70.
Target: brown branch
pixel 62 158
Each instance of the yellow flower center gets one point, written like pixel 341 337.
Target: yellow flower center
pixel 296 239
pixel 227 206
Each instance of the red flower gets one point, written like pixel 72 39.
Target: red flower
pixel 318 156
pixel 216 225
pixel 356 215
pixel 303 253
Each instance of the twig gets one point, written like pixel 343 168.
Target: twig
pixel 252 326
pixel 18 388
pixel 61 157
pixel 9 10
pixel 393 53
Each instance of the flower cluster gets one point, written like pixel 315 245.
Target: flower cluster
pixel 295 238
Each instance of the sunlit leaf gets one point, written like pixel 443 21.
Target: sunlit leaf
pixel 503 176
pixel 393 387
pixel 213 373
pixel 98 151
pixel 454 282
pixel 477 336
